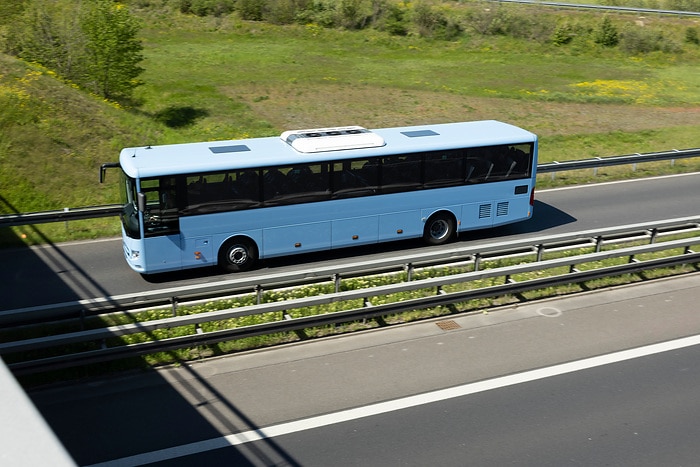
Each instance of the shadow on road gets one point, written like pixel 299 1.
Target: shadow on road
pixel 180 421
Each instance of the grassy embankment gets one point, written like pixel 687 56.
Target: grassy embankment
pixel 220 78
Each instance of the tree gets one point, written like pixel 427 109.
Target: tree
pixel 112 49
pixel 607 35
pixel 93 44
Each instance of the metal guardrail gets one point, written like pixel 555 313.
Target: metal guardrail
pixel 502 250
pixel 269 280
pixel 70 214
pixel 67 214
pixel 598 162
pixel 622 9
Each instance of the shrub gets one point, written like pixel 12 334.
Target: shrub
pixel 251 10
pixel 207 7
pixel 563 34
pixel 396 20
pixel 691 36
pixel 433 22
pixel 607 35
pixel 639 40
pixel 285 11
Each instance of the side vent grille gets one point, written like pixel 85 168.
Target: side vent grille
pixel 484 211
pixel 502 209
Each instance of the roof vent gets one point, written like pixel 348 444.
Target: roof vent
pixel 332 139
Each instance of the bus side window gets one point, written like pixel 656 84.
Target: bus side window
pixel 401 173
pixel 443 170
pixel 349 181
pixel 247 185
pixel 273 184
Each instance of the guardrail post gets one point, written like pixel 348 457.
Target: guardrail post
pixel 598 243
pixel 409 271
pixel 477 261
pixel 336 281
pixel 173 306
pixel 654 233
pixel 258 294
pixel 540 252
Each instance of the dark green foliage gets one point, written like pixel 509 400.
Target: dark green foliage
pixel 691 36
pixel 638 40
pixel 207 7
pixel 607 35
pixel 396 22
pixel 112 50
pixel 252 10
pixel 432 22
pixel 93 44
pixel 563 34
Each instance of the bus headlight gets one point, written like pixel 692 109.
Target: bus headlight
pixel 135 254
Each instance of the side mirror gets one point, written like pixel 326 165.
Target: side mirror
pixel 104 167
pixel 141 200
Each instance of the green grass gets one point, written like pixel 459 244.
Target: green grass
pixel 222 78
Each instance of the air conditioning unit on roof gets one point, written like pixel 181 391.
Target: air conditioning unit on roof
pixel 332 139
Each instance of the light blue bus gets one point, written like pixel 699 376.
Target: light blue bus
pixel 231 203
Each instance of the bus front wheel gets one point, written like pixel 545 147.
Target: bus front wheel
pixel 238 254
pixel 439 229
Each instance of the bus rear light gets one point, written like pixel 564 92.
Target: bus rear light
pixel 532 197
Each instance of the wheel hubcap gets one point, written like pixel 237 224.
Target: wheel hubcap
pixel 439 229
pixel 238 255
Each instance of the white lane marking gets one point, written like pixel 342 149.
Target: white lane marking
pixel 616 182
pixel 398 404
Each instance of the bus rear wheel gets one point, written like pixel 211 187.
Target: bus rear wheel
pixel 238 254
pixel 439 229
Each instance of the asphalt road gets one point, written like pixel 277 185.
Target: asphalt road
pixel 568 381
pixel 73 271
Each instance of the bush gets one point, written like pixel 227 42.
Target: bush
pixel 396 20
pixel 251 10
pixel 607 35
pixel 563 34
pixel 639 40
pixel 207 7
pixel 433 22
pixel 691 36
pixel 285 11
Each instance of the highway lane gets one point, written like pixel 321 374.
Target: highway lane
pixel 80 270
pixel 640 411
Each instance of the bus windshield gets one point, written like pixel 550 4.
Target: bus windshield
pixel 130 214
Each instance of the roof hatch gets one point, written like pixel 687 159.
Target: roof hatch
pixel 332 139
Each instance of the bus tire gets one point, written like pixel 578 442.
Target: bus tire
pixel 238 254
pixel 439 229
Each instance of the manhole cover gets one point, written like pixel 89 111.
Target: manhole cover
pixel 448 325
